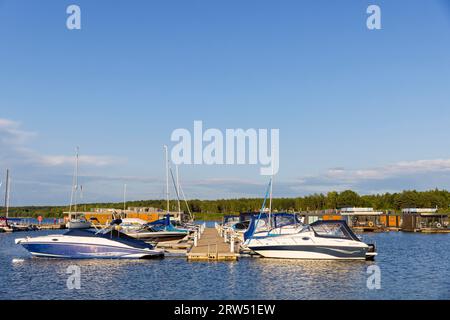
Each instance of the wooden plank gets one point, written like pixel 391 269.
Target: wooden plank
pixel 211 247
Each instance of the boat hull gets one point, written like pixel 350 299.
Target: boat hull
pixel 158 236
pixel 311 252
pixel 82 251
pixel 84 248
pixel 78 225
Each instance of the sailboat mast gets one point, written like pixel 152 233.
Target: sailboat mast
pixel 178 189
pixel 7 193
pixel 124 196
pixel 166 152
pixel 76 180
pixel 271 197
pixel 191 216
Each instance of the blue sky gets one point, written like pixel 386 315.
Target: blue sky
pixel 360 109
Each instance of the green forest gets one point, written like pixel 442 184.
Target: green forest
pixel 393 202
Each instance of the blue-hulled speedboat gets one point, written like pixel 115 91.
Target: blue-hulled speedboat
pixel 107 243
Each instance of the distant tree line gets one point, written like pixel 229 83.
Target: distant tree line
pixel 332 200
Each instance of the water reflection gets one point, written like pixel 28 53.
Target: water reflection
pixel 413 266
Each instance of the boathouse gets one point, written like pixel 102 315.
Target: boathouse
pixel 427 220
pixel 364 219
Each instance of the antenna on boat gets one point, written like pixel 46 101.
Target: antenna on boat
pixel 166 152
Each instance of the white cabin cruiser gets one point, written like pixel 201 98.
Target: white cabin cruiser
pixel 322 240
pixel 78 221
pixel 158 231
pixel 106 243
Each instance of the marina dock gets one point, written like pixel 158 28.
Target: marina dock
pixel 211 246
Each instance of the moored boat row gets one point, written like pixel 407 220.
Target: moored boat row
pixel 284 236
pixel 121 239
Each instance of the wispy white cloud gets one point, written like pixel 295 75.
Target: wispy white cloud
pixel 46 179
pixel 11 134
pixel 428 173
pixel 388 171
pixel 14 149
pixel 96 161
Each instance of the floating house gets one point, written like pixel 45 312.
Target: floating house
pixel 364 219
pixel 309 217
pixel 427 220
pixel 359 219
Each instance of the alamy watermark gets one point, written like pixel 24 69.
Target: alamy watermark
pixel 232 147
pixel 73 21
pixel 374 279
pixel 74 280
pixel 373 22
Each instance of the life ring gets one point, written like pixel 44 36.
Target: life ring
pixel 438 225
pixel 371 224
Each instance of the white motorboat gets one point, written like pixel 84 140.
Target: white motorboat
pixel 132 224
pixel 78 221
pixel 158 231
pixel 322 240
pixel 107 243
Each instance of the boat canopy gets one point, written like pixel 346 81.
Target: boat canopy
pixel 337 229
pixel 241 226
pixel 259 222
pixel 111 234
pixel 227 219
pixel 164 224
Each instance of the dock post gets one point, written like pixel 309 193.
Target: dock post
pixel 195 239
pixel 232 244
pixel 225 236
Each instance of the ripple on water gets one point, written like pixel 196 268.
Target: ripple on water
pixel 413 266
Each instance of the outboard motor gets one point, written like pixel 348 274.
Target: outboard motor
pixel 371 253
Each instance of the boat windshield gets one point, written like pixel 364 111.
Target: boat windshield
pixel 241 225
pixel 285 220
pixel 333 229
pixel 230 219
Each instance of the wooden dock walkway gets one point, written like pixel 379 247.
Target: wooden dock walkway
pixel 211 247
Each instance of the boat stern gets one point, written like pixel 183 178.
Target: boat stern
pixel 371 253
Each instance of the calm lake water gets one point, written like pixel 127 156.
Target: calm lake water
pixel 413 266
